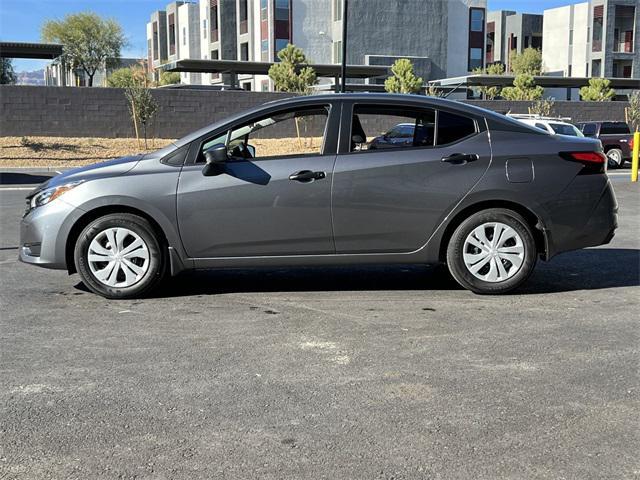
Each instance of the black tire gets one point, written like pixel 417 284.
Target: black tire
pixel 615 158
pixel 157 261
pixel 455 251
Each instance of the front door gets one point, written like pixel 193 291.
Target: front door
pixel 391 199
pixel 272 197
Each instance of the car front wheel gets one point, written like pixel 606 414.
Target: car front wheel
pixel 492 251
pixel 119 256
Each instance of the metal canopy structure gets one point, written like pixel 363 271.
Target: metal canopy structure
pixel 239 67
pixel 45 51
pixel 543 81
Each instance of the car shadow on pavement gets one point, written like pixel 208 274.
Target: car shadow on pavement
pixel 16 178
pixel 588 269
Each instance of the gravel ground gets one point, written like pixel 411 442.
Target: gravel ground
pixel 373 373
pixel 61 152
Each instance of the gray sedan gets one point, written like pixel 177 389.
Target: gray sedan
pixel 294 183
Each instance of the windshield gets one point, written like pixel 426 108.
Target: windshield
pixel 566 129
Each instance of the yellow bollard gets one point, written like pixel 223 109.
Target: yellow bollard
pixel 634 158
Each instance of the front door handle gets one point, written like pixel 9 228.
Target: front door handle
pixel 461 158
pixel 305 176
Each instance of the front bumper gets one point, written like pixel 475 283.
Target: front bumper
pixel 43 234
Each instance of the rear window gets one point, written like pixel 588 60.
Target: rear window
pixel 614 128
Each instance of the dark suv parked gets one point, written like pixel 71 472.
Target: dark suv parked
pixel 616 138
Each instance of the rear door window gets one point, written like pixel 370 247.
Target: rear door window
pixel 377 127
pixel 614 128
pixel 589 129
pixel 453 127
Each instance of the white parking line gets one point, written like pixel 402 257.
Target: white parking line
pixel 15 189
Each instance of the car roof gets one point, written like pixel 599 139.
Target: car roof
pixel 496 121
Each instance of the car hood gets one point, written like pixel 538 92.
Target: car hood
pixel 108 168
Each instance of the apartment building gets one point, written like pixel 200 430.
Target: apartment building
pixel 443 37
pixel 509 31
pixel 173 34
pixel 597 38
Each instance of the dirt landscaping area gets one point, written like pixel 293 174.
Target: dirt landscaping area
pixel 68 152
pixel 73 152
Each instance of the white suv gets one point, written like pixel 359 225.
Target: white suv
pixel 554 126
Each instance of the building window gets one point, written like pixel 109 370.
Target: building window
pixel 243 10
pixel 264 30
pixel 280 44
pixel 172 34
pixel 204 28
pixel 184 35
pixel 598 20
pixel 215 56
pixel 155 41
pixel 264 85
pixel 477 20
pixel 214 20
pixel 264 10
pixel 281 25
pixel 282 10
pixel 536 42
pixel 244 52
pixel 476 38
pixel 570 37
pixel 475 58
pixel 337 51
pixel 337 10
pixel 246 86
pixel 569 70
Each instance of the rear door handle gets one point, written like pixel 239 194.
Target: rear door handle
pixel 306 176
pixel 461 158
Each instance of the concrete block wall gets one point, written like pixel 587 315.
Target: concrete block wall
pixel 103 112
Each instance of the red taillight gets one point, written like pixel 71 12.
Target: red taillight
pixel 631 144
pixel 594 162
pixel 590 157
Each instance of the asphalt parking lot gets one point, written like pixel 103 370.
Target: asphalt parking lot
pixel 377 373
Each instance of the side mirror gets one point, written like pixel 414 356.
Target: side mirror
pixel 216 157
pixel 216 154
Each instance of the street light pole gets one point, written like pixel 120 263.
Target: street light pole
pixel 343 80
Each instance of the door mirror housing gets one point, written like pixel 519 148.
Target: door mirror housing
pixel 216 154
pixel 216 157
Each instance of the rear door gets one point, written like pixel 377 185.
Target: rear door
pixel 391 200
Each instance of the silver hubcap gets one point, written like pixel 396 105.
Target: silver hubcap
pixel 493 252
pixel 118 257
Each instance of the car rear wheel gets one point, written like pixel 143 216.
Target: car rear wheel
pixel 492 251
pixel 119 256
pixel 614 158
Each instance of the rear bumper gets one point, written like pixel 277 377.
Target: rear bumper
pixel 581 231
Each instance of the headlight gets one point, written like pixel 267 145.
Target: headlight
pixel 49 194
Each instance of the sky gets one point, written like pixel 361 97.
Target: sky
pixel 21 20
